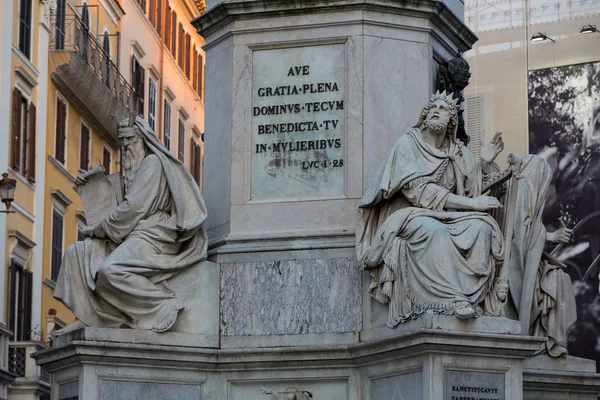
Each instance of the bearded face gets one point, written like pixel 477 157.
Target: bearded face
pixel 134 152
pixel 438 118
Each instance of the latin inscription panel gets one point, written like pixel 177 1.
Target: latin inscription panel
pixel 298 122
pixel 474 385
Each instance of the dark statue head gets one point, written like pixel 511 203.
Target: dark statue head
pixel 459 72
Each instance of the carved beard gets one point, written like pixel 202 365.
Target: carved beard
pixel 437 127
pixel 131 164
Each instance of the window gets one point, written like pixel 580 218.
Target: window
pixel 106 159
pixel 25 27
pixel 61 128
pixel 180 48
pixel 152 12
pixel 159 9
pixel 188 55
pixel 23 135
pixel 173 33
pixel 152 105
pixel 59 37
pixel 181 140
pixel 21 293
pixel 106 59
pixel 137 82
pixel 85 31
pixel 167 127
pixel 200 73
pixel 167 32
pixel 84 151
pixel 196 161
pixel 142 4
pixel 57 243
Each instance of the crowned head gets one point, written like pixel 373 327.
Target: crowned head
pixel 440 114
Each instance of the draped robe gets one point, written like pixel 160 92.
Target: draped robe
pixel 423 257
pixel 120 279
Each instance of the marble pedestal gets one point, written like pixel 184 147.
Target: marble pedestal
pixel 421 361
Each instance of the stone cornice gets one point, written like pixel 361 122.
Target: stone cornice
pixel 434 10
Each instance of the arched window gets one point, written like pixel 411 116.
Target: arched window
pixel 59 34
pixel 106 58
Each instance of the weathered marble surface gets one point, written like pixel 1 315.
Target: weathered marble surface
pixel 291 297
pixel 124 390
pixel 401 387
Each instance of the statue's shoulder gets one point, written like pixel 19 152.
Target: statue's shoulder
pixel 151 160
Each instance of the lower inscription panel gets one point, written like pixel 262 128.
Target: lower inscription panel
pixel 474 385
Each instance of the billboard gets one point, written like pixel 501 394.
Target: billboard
pixel 564 128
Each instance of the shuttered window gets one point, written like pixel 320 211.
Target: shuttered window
pixel 106 160
pixel 138 76
pixel 173 33
pixel 167 125
pixel 142 4
pixel 84 154
pixel 200 74
pixel 181 45
pixel 31 143
pixel 181 139
pixel 159 10
pixel 57 243
pixel 59 26
pixel 17 120
pixel 25 13
pixel 196 161
pixel 474 123
pixel 61 127
pixel 152 12
pixel 167 32
pixel 188 55
pixel 21 295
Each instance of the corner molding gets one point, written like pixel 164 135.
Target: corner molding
pixel 154 72
pixel 26 77
pixel 138 50
pixel 23 240
pixel 169 93
pixel 61 197
pixel 183 113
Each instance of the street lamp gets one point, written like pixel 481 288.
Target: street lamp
pixel 7 192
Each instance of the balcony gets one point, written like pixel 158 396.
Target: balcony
pixel 31 380
pixel 6 377
pixel 89 79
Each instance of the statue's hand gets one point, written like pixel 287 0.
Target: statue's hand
pixel 88 231
pixel 81 179
pixel 490 151
pixel 484 203
pixel 562 235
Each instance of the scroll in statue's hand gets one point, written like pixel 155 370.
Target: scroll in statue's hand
pixel 562 235
pixel 490 151
pixel 485 203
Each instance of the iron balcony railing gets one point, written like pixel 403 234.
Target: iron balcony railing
pixel 72 35
pixel 20 362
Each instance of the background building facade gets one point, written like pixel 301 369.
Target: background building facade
pixel 69 71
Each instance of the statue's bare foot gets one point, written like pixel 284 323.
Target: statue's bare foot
pixel 167 322
pixel 73 326
pixel 466 311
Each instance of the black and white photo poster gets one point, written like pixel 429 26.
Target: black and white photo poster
pixel 564 128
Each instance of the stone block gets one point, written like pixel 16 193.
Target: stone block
pixel 291 297
pixel 401 387
pixel 124 390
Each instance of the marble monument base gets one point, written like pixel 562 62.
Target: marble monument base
pixel 420 361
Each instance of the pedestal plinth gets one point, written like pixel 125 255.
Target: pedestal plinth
pixel 422 361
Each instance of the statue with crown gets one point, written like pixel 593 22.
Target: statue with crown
pixel 442 233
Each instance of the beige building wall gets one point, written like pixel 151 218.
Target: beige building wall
pixel 139 38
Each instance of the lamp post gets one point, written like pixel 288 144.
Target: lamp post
pixel 7 192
